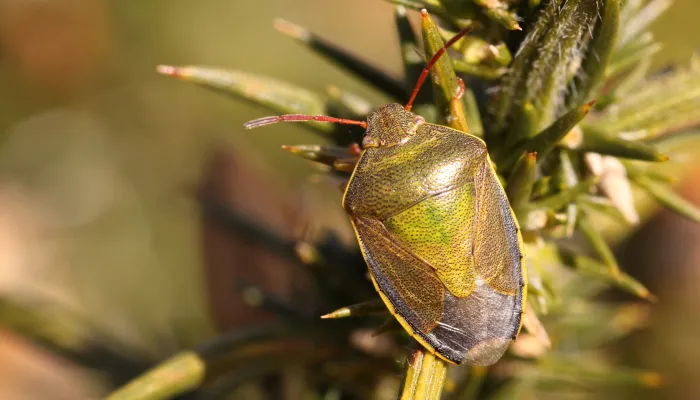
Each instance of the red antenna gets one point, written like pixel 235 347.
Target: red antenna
pixel 256 123
pixel 433 60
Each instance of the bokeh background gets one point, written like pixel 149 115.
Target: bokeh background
pixel 101 160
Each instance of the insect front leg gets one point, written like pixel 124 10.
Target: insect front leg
pixel 346 164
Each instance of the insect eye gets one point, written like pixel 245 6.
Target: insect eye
pixel 417 121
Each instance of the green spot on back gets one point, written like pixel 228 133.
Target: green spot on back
pixel 440 230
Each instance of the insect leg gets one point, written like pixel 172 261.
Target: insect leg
pixel 460 89
pixel 345 164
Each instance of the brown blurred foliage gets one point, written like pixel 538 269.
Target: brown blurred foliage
pixel 232 256
pixel 55 46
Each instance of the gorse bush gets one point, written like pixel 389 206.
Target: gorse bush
pixel 576 124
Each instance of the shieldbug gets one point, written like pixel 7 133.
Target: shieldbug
pixel 435 227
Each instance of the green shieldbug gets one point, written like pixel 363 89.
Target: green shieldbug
pixel 436 230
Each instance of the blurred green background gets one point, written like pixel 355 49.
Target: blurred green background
pixel 99 155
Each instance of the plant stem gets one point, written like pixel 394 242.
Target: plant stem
pixel 180 374
pixel 425 376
